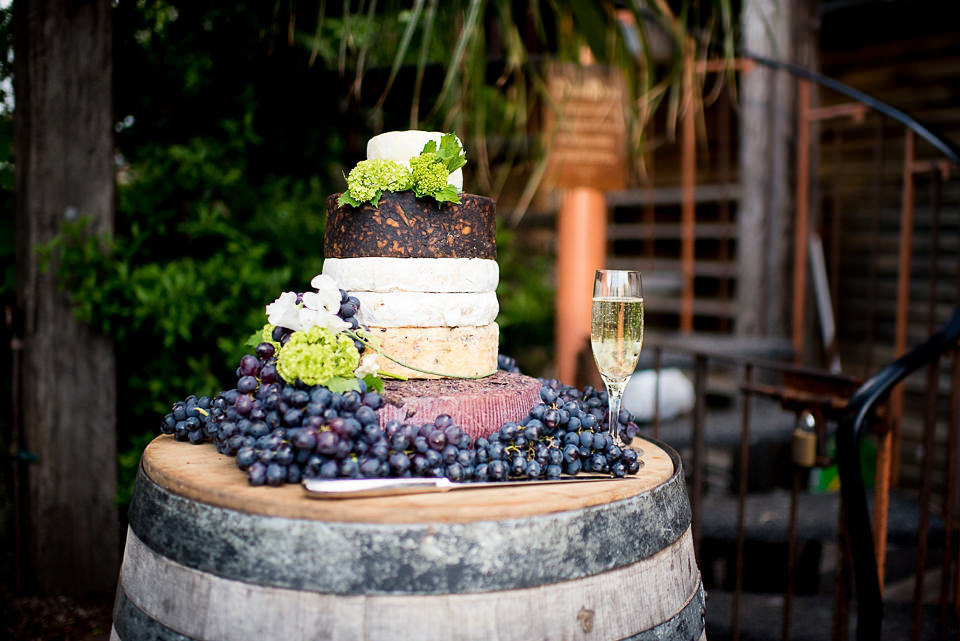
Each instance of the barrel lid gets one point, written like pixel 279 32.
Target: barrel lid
pixel 200 473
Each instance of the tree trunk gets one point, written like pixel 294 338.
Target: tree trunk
pixel 64 169
pixel 765 206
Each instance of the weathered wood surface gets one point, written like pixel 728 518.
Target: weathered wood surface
pixel 64 170
pixel 199 473
pixel 209 557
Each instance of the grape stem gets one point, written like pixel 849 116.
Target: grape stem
pixel 366 341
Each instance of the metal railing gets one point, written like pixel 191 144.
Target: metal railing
pixel 857 418
pixel 840 408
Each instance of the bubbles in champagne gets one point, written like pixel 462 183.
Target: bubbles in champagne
pixel 616 335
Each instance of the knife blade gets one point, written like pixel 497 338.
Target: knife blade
pixel 363 488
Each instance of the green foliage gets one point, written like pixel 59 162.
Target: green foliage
pixel 526 295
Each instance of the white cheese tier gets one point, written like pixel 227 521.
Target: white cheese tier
pixel 401 146
pixel 451 351
pixel 383 274
pixel 419 309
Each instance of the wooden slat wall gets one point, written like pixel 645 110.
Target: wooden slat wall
pixel 908 55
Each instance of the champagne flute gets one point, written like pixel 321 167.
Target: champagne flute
pixel 616 334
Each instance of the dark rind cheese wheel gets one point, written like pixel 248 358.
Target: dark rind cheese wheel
pixel 404 226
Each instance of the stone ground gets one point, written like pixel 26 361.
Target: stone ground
pixel 59 618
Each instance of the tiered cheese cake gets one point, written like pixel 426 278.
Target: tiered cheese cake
pixel 426 275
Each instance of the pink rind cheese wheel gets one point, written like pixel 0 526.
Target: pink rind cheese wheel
pixel 479 407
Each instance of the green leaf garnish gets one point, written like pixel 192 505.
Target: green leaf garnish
pixel 340 384
pixel 448 194
pixel 347 199
pixel 451 152
pixel 374 383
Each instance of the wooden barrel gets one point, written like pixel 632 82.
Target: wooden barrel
pixel 209 557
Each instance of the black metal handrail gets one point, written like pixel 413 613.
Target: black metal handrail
pixel 925 132
pixel 854 422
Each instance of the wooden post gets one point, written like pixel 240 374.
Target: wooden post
pixel 764 213
pixel 689 170
pixel 64 170
pixel 581 250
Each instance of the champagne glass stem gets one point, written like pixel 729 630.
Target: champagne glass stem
pixel 614 395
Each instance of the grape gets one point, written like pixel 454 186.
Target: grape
pixel 548 395
pixel 327 443
pixel 507 363
pixel 276 474
pixel 243 404
pixel 179 411
pixel 437 440
pixel 497 470
pixel 293 473
pixel 169 424
pixel 257 473
pixel 246 456
pixel 265 351
pixel 455 472
pixel 534 469
pixel 399 463
pixel 247 384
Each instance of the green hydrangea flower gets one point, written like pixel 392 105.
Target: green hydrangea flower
pixel 317 355
pixel 370 178
pixel 429 174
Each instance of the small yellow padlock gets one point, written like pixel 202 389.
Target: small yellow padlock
pixel 804 445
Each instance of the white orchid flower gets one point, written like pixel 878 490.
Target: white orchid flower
pixel 327 296
pixel 368 365
pixel 319 317
pixel 284 312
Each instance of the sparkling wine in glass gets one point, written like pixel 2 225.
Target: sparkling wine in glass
pixel 616 333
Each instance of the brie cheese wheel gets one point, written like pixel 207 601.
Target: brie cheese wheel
pixel 382 274
pixel 446 351
pixel 401 146
pixel 419 309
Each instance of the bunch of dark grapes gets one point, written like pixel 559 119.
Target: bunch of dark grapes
pixel 281 432
pixel 188 419
pixel 564 434
pixel 595 401
pixel 349 305
pixel 507 363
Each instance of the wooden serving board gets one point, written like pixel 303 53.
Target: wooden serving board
pixel 200 473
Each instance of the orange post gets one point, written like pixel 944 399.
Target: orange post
pixel 903 294
pixel 881 503
pixel 581 250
